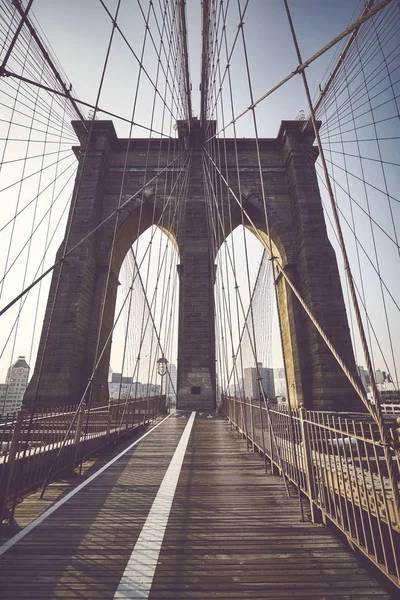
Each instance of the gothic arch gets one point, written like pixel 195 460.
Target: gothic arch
pixel 298 236
pixel 71 333
pixel 299 241
pixel 289 317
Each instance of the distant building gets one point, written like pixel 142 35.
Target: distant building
pixel 251 384
pixel 3 390
pixel 235 388
pixel 363 373
pixel 13 390
pixel 232 389
pixel 128 389
pixel 118 378
pixel 121 390
pixel 280 382
pixel 151 389
pixel 383 380
pixel 218 391
pixel 381 377
pixel 120 387
pixel 390 397
pixel 171 383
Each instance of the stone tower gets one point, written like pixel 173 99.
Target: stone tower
pixel 298 237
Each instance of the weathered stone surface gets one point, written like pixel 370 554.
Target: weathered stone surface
pixel 196 340
pixel 298 237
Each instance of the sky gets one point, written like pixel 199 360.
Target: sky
pixel 78 33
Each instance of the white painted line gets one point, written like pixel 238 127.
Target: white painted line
pixel 16 538
pixel 138 576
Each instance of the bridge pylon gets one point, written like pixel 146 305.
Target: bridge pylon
pixel 81 305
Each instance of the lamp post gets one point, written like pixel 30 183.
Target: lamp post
pixel 162 368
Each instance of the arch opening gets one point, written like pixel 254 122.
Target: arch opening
pixel 146 319
pixel 248 336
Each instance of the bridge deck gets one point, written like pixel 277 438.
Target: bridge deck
pixel 231 532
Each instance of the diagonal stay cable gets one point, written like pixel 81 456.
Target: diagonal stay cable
pixel 360 391
pixel 360 295
pixel 93 231
pixel 140 63
pixel 374 410
pixel 358 204
pixel 52 90
pixel 47 57
pixel 99 358
pixel 302 66
pixel 362 247
pixel 72 164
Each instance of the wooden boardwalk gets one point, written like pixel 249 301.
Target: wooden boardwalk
pixel 231 533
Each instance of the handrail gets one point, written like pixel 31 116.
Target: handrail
pixel 25 462
pixel 337 462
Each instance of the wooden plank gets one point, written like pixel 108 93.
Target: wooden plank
pixel 232 532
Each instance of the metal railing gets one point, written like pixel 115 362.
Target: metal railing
pixel 58 439
pixel 337 461
pixel 389 408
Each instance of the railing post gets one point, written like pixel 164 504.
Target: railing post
pixel 108 430
pixel 308 464
pixel 11 461
pixel 78 432
pixel 236 417
pixel 133 406
pixel 79 424
pixel 273 467
pixel 253 439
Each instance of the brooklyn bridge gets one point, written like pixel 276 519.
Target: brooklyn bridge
pixel 199 299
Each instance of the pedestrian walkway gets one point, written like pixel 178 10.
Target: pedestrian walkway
pixel 184 513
